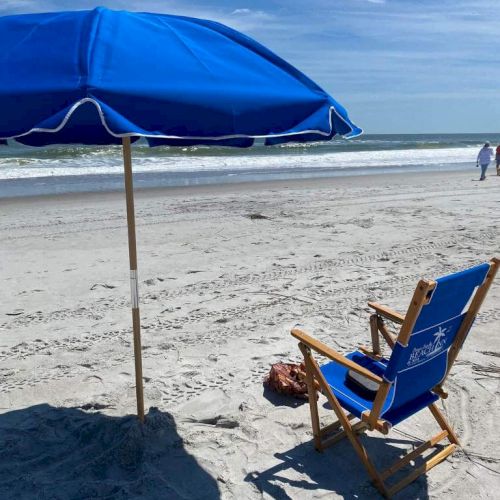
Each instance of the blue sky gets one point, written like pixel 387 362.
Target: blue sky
pixel 398 66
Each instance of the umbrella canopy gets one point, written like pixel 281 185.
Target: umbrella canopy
pixel 95 76
pixel 107 77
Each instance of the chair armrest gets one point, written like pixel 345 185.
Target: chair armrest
pixel 387 312
pixel 330 353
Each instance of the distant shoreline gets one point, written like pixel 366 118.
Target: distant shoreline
pixel 108 183
pixel 60 169
pixel 254 187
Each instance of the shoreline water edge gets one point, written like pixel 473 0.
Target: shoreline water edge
pixel 26 171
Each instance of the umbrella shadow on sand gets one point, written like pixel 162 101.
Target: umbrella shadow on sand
pixel 66 453
pixel 337 470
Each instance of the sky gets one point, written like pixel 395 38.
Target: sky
pixel 398 66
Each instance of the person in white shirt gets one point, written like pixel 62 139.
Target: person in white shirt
pixel 497 158
pixel 483 158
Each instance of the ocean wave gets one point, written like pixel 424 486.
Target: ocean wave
pixel 108 161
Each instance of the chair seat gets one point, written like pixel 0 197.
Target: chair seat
pixel 355 400
pixel 351 399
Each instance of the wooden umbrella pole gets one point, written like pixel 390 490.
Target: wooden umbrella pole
pixel 132 250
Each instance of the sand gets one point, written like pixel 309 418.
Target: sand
pixel 220 291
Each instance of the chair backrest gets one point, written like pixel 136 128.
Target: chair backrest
pixel 419 366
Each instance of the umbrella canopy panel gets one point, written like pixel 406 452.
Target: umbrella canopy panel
pixel 96 76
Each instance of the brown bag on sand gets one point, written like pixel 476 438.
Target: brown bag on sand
pixel 288 378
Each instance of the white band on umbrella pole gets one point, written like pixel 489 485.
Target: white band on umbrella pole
pixel 134 289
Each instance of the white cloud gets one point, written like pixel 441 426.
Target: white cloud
pixel 241 11
pixel 251 14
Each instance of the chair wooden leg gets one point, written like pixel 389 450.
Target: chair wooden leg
pixel 389 338
pixel 319 433
pixel 414 454
pixel 312 396
pixel 358 428
pixel 443 423
pixel 428 465
pixel 374 334
pixel 365 459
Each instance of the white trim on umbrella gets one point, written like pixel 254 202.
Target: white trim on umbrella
pixel 79 103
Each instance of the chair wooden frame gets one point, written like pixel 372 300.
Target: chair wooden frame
pixel 370 420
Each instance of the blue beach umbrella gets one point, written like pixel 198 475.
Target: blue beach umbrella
pixel 111 77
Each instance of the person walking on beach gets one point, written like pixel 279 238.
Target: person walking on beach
pixel 497 158
pixel 483 159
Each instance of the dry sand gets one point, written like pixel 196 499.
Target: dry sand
pixel 220 292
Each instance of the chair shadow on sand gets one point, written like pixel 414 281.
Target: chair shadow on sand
pixel 337 470
pixel 67 453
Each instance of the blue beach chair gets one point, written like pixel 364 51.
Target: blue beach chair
pixel 380 392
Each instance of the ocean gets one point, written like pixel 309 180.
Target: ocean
pixel 26 171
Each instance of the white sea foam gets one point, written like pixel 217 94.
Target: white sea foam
pixel 109 161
